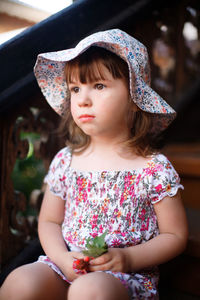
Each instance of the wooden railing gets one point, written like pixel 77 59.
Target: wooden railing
pixel 175 63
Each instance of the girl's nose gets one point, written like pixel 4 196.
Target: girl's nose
pixel 84 98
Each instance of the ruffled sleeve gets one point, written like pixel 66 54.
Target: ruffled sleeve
pixel 165 180
pixel 56 176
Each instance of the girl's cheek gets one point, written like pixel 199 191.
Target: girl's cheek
pixel 73 114
pixel 74 117
pixel 73 109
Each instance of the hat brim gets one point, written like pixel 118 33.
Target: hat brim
pixel 50 75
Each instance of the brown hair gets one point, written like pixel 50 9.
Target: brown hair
pixel 87 68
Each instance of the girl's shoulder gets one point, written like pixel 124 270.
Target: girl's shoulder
pixel 55 177
pixel 165 181
pixel 62 158
pixel 162 164
pixel 65 152
pixel 163 167
pixel 160 158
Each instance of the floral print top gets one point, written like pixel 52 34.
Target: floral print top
pixel 119 202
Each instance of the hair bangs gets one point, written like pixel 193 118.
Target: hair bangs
pixel 84 72
pixel 88 66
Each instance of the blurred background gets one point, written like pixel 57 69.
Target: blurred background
pixel 28 140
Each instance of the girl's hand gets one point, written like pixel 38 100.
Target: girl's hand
pixel 67 266
pixel 114 260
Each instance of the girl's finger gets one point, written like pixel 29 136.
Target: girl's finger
pixel 102 267
pixel 100 260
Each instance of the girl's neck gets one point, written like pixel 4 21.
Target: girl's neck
pixel 108 144
pixel 107 149
pixel 106 157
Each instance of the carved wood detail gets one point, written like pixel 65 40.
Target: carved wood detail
pixel 16 229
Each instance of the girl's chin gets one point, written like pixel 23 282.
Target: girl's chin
pixel 89 132
pixel 88 129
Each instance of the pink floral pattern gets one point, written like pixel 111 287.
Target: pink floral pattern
pixel 120 202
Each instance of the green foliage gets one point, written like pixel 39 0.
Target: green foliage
pixel 96 246
pixel 28 173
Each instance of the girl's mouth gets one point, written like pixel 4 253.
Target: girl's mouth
pixel 86 118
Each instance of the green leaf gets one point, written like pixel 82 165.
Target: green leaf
pixel 96 246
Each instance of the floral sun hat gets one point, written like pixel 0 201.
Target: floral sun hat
pixel 49 72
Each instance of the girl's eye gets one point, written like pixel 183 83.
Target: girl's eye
pixel 75 89
pixel 99 86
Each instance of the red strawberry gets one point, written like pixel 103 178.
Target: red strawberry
pixel 94 248
pixel 86 259
pixel 81 266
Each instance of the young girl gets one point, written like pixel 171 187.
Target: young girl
pixel 109 178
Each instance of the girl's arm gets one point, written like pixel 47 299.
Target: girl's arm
pixel 169 243
pixel 50 233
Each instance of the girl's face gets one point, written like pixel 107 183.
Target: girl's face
pixel 100 108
